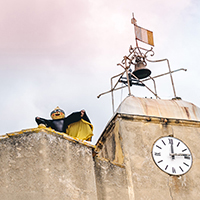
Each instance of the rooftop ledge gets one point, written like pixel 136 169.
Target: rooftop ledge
pixel 42 128
pixel 174 109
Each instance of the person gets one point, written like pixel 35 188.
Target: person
pixel 76 125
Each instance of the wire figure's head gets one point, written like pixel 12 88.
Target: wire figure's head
pixel 57 113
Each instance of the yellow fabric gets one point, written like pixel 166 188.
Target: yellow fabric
pixel 150 38
pixel 81 130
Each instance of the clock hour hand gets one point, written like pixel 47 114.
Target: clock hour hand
pixel 179 154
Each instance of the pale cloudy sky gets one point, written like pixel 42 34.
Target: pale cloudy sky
pixel 63 53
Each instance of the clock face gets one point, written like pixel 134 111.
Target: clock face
pixel 172 156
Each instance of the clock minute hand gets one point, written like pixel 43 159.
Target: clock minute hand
pixel 172 149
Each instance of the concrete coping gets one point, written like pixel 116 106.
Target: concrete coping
pixel 43 128
pixel 154 119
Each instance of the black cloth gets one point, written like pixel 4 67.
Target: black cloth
pixel 62 124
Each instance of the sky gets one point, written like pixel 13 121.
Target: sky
pixel 64 53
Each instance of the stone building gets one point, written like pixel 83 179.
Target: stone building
pixel 41 164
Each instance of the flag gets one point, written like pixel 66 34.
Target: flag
pixel 144 35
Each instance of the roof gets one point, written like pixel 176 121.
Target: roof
pixel 176 109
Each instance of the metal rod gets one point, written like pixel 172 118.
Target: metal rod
pixel 165 74
pixel 134 50
pixel 145 86
pixel 137 45
pixel 121 65
pixel 121 74
pixel 171 77
pixel 129 89
pixel 140 81
pixel 170 72
pixel 112 96
pixel 154 85
pixel 112 89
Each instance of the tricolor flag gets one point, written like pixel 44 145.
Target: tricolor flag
pixel 144 35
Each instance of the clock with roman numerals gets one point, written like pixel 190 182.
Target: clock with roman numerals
pixel 172 156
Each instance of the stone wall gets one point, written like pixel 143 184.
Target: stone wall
pixel 144 179
pixel 41 165
pixel 110 180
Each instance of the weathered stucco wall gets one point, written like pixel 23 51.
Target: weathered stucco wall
pixel 144 179
pixel 111 145
pixel 41 166
pixel 111 180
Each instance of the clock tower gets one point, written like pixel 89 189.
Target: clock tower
pixel 155 141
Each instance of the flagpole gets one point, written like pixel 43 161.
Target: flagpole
pixel 134 22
